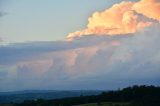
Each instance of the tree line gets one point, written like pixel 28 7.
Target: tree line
pixel 134 96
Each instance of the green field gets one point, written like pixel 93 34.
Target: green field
pixel 105 104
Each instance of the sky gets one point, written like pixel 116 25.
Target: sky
pixel 79 45
pixel 45 20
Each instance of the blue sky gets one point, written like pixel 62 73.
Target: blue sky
pixel 46 20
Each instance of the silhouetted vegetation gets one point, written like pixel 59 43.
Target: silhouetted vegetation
pixel 132 96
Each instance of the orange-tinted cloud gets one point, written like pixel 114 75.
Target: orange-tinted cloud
pixel 125 17
pixel 149 8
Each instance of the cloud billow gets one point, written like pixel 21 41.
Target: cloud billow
pixel 119 59
pixel 125 17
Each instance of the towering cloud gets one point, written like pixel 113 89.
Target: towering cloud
pixel 149 8
pixel 90 62
pixel 123 18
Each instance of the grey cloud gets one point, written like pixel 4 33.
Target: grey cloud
pixel 17 52
pixel 23 51
pixel 89 62
pixel 1 40
pixel 2 14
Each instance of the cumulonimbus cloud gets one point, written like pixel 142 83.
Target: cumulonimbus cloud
pixel 105 60
pixel 149 8
pixel 125 17
pixel 131 56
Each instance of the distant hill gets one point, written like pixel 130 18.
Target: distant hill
pixel 130 96
pixel 20 96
